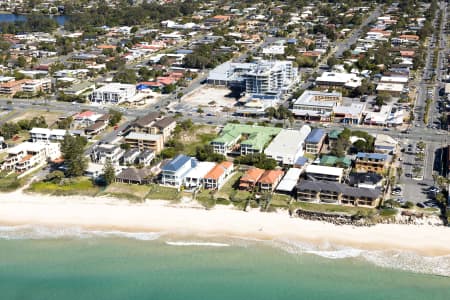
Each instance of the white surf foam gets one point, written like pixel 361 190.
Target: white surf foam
pixel 201 244
pixel 43 232
pixel 394 259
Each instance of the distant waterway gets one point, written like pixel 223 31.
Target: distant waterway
pixel 14 17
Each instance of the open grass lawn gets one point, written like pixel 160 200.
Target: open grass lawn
pixel 332 208
pixel 50 117
pixel 75 186
pixel 9 182
pixel 132 192
pixel 163 193
pixel 198 136
pixel 229 186
pixel 280 200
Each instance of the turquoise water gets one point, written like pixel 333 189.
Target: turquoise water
pixel 129 268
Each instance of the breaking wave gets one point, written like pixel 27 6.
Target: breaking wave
pixel 43 232
pixel 201 244
pixel 393 259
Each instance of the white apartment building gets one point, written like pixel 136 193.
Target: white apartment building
pixel 46 135
pixel 27 155
pixel 113 93
pixel 270 77
pixel 34 86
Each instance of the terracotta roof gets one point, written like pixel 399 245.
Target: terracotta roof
pixel 15 83
pixel 411 37
pixel 218 170
pixel 26 157
pixel 252 175
pixel 271 176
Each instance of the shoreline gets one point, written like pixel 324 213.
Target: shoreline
pixel 159 216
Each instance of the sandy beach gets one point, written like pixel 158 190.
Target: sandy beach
pixel 160 216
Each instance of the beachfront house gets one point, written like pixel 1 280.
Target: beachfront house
pixel 269 180
pixel 217 176
pixel 174 172
pixel 250 179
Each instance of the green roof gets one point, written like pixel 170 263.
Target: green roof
pixel 258 136
pixel 331 161
pixel 334 134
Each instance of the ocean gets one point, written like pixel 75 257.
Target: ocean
pixel 70 263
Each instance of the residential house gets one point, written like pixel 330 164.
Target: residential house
pixel 134 176
pixel 145 141
pixel 174 172
pixel 130 156
pixel 104 152
pixel 289 181
pixel 145 157
pixel 217 176
pixel 194 177
pixel 85 119
pixel 315 140
pixel 372 162
pixel 269 180
pixel 250 179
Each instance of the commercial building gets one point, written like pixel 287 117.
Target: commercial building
pixel 336 193
pixel 349 114
pixel 288 145
pixel 243 139
pixel 332 79
pixel 372 162
pixel 145 141
pixel 314 141
pixel 316 105
pixel 113 93
pixel 385 144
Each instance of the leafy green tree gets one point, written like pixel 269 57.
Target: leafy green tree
pixel 21 61
pixel 382 99
pixel 109 173
pixel 115 117
pixel 72 149
pixel 126 76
